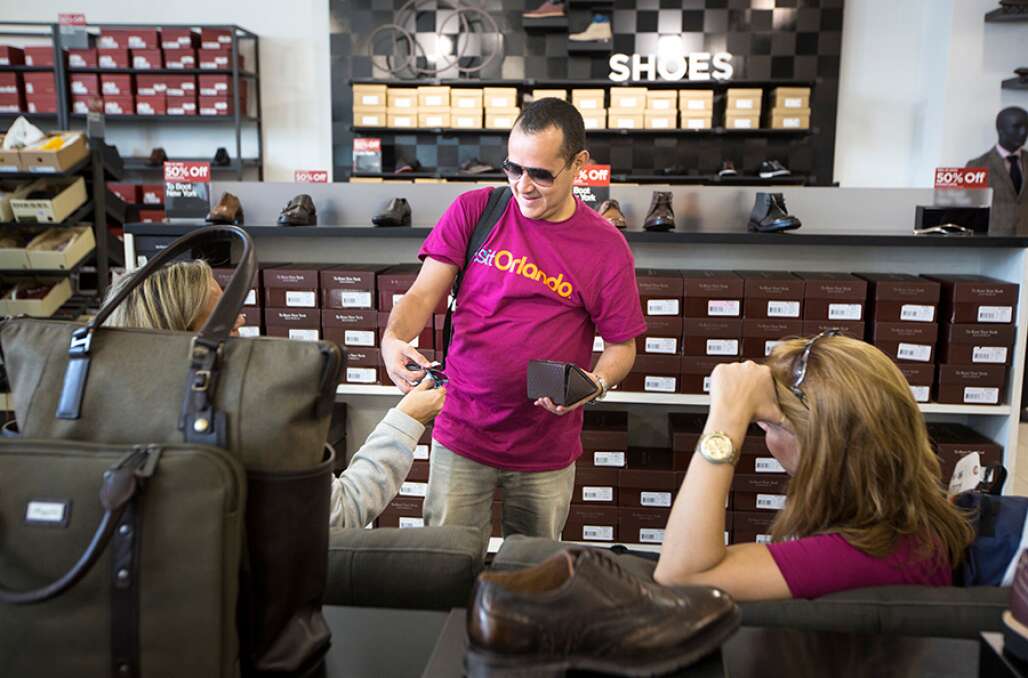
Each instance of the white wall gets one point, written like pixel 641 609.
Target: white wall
pixel 294 75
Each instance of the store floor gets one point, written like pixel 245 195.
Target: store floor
pixel 1021 469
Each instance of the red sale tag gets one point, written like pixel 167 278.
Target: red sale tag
pixel 187 172
pixel 310 176
pixel 71 19
pixel 962 177
pixel 593 175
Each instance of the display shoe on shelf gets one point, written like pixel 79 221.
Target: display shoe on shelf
pixel 674 170
pixel 544 620
pixel 221 158
pixel 396 213
pixel 1014 6
pixel 611 211
pixel 1015 619
pixel 299 212
pixel 157 157
pixel 476 166
pixel 547 9
pixel 404 166
pixel 727 169
pixel 770 215
pixel 769 169
pixel 660 217
pixel 598 31
pixel 227 211
pixel 1022 74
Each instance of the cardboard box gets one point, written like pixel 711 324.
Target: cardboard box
pixel 595 119
pixel 434 119
pixel 712 294
pixel 10 160
pixel 84 83
pixel 591 523
pixel 363 366
pixel 71 195
pixel 642 525
pixel 128 193
pixel 501 119
pixel 660 120
pixel 434 97
pixel 500 98
pixel 538 94
pixel 698 121
pixel 179 38
pixel 644 488
pixel 15 256
pixel 351 327
pixel 402 120
pixel 294 323
pixel 654 374
pixel 696 372
pixel 214 106
pixel 44 258
pixel 129 38
pixel 292 286
pixel 41 103
pixel 402 100
pixel 156 104
pixel 349 286
pixel 369 96
pixel 660 291
pixel 954 441
pixel 11 56
pixel 696 101
pixel 833 296
pixel 217 59
pixel 465 119
pixel 743 101
pixel 180 58
pixel 185 85
pixel 971 384
pixel 790 119
pixel 742 121
pixel 790 98
pixel 41 307
pixel 595 486
pixel 113 58
pixel 40 55
pixel 712 336
pixel 906 342
pixel 901 297
pixel 772 294
pixel 663 336
pixel 588 100
pixel 152 194
pixel 39 83
pixel 224 275
pixel 662 101
pixel 148 59
pixel 466 100
pixel 82 58
pixel 849 328
pixel 976 299
pixel 11 189
pixel 215 38
pixel 761 335
pixel 628 98
pixel 963 344
pixel 625 119
pixel 219 86
pixel 921 378
pixel 119 105
pixel 181 105
pixel 146 85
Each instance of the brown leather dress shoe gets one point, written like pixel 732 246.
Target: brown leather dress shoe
pixel 580 610
pixel 547 9
pixel 611 211
pixel 660 217
pixel 227 211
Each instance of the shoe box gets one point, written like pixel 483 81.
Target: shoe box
pixel 971 384
pixel 660 291
pixel 117 85
pixel 401 108
pixel 362 366
pixel 697 108
pixel 721 337
pixel 216 86
pixel 627 108
pixel 735 120
pixel 181 105
pixel 664 101
pixel 152 194
pixel 604 440
pixel 82 58
pixel 293 323
pixel 370 105
pixel 351 327
pixel 499 99
pixel 252 322
pixel 39 55
pixel 113 58
pixel 975 344
pixel 833 297
pixel 595 486
pixel 761 335
pixel 921 378
pixel 179 38
pixel 147 59
pixel 663 336
pixel 790 108
pixel 350 286
pixel 696 371
pixel 501 119
pixel 759 491
pixel 402 511
pixel 394 281
pixel 129 38
pixel 952 442
pixel 82 84
pixel 752 526
pixel 712 294
pixel 976 299
pixel 621 119
pixel 69 194
pixel 156 104
pixel 39 83
pixel 591 523
pixel 464 119
pixel 11 56
pixel 684 431
pixel 119 105
pixel 655 374
pixel 788 119
pixel 431 119
pixel 180 58
pixel 595 120
pixel 129 194
pixel 642 525
pixel 901 297
pixel 425 340
pixel 466 107
pixel 217 59
pixel 652 486
pixel 589 101
pixel 433 99
pixel 906 342
pixel 292 286
pixel 538 94
pixel 742 108
pixel 423 449
pixel 776 295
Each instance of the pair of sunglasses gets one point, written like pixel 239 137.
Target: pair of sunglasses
pixel 799 368
pixel 539 177
pixel 437 376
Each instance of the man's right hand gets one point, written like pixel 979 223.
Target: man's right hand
pixel 396 353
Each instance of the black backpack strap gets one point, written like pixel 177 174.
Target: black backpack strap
pixel 494 209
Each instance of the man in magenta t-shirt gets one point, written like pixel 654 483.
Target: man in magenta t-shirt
pixel 551 276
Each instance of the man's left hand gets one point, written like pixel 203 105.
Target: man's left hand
pixel 560 410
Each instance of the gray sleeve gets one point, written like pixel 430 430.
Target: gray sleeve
pixel 376 471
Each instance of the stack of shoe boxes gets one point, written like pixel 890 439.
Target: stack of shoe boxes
pixel 742 108
pixel 393 283
pixel 434 106
pixel 661 109
pixel 833 301
pixel 772 309
pixel 291 301
pixel 12 86
pixel 627 106
pixel 790 108
pixel 40 90
pixel 589 103
pixel 646 490
pixel 369 105
pixel 149 199
pixel 538 94
pixel 758 490
pixel 349 314
pixel 657 368
pixel 501 107
pixel 252 312
pixel 406 508
pixel 466 107
pixel 977 315
pixel 954 441
pixel 697 108
pixel 593 515
pixel 712 326
pixel 402 107
pixel 684 433
pixel 903 310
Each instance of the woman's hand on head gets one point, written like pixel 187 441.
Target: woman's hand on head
pixel 745 390
pixel 424 402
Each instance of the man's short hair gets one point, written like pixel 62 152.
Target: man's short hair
pixel 552 112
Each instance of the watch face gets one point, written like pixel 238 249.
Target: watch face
pixel 718 447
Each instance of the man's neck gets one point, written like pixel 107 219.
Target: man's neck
pixel 566 211
pixel 1008 151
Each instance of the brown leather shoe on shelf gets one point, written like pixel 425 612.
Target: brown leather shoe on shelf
pixel 660 217
pixel 227 211
pixel 611 211
pixel 581 610
pixel 547 9
pixel 157 158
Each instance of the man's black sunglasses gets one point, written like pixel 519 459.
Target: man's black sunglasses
pixel 438 377
pixel 799 368
pixel 539 176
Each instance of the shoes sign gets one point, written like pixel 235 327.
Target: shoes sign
pixel 187 193
pixel 592 185
pixel 692 66
pixel 310 177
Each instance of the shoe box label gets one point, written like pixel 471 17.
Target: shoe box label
pixel 359 338
pixel 355 299
pixel 301 299
pixel 660 384
pixel 722 347
pixel 917 313
pixel 409 489
pixel 406 521
pixel 655 499
pixel 615 459
pixel 845 311
pixel 361 375
pixel 989 354
pixel 995 314
pixel 723 307
pixel 597 493
pixel 597 344
pixel 251 298
pixel 598 533
pixel 651 535
pixel 662 307
pixel 977 395
pixel 421 452
pixel 768 465
pixel 304 335
pixel 249 331
pixel 773 502
pixel 921 353
pixel 920 393
pixel 770 346
pixel 660 345
pixel 783 309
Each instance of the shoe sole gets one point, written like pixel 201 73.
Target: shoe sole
pixel 776 173
pixel 481 664
pixel 542 16
pixel 659 225
pixel 755 227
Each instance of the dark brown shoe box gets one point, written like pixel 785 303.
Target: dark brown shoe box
pixel 351 327
pixel 424 340
pixel 906 342
pixel 901 297
pixel 696 372
pixel 418 472
pixel 971 384
pixel 497 519
pixel 966 344
pixel 684 430
pixel 293 323
pixel 977 299
pixel 646 488
pixel 362 366
pixel 253 322
pixel 413 489
pixel 591 523
pixel 953 441
pixel 759 492
pixel 604 440
pixel 712 294
pixel 849 328
pixel 660 291
pixel 772 294
pixel 760 336
pixel 752 526
pixel 729 500
pixel 921 378
pixel 654 374
pixel 642 525
pixel 394 281
pixel 402 512
pixel 712 336
pixel 224 275
pixel 349 286
pixel 423 449
pixel 759 464
pixel 595 486
pixel 833 296
pixel 291 286
pixel 663 336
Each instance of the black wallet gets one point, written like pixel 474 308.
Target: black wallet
pixel 563 383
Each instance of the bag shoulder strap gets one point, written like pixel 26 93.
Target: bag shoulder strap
pixel 499 198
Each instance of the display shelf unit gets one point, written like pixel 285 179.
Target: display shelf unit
pixel 496 542
pixel 243 75
pixel 608 132
pixel 142 164
pixel 544 83
pixel 549 24
pixel 1015 83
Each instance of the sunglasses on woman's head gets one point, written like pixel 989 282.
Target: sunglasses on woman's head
pixel 799 368
pixel 539 176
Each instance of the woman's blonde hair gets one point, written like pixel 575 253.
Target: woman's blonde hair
pixel 171 298
pixel 866 469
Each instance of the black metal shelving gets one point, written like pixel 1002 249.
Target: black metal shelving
pixel 617 131
pixel 543 83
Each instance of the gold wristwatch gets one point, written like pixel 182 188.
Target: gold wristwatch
pixel 717 448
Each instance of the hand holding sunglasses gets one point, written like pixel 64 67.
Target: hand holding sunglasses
pixel 437 376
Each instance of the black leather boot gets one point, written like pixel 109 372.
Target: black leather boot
pixel 221 158
pixel 769 214
pixel 396 213
pixel 660 217
pixel 299 212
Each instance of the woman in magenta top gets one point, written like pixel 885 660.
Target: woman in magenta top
pixel 865 504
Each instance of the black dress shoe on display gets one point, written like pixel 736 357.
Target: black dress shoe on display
pixel 660 217
pixel 221 158
pixel 157 157
pixel 769 214
pixel 299 212
pixel 770 169
pixel 404 166
pixel 727 169
pixel 396 213
pixel 476 166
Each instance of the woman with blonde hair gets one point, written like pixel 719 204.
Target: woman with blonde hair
pixel 865 504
